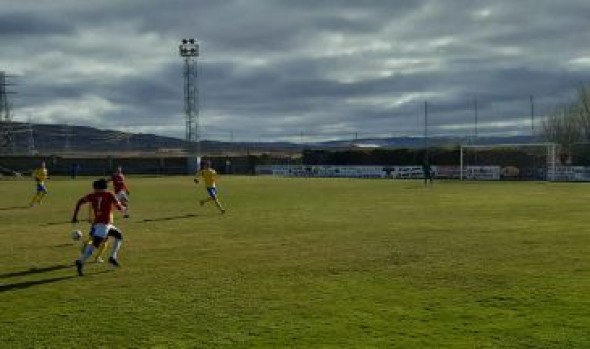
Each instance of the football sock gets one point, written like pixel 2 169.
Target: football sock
pixel 87 253
pixel 116 248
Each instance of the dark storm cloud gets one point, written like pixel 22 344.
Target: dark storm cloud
pixel 16 24
pixel 276 69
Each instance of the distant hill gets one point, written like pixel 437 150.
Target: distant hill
pixel 63 139
pixel 420 142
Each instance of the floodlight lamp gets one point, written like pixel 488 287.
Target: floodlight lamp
pixel 189 48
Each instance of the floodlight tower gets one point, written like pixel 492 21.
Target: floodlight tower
pixel 6 131
pixel 189 50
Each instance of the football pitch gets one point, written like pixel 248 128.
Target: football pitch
pixel 303 263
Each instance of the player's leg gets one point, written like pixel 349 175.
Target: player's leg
pixel 42 191
pixel 221 209
pixel 118 236
pixel 85 242
pixel 91 242
pixel 98 233
pixel 213 196
pixel 88 241
pixel 35 198
pixel 100 251
pixel 125 202
pixel 205 200
pixel 88 250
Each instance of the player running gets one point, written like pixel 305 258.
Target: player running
pixel 121 190
pixel 40 175
pixel 208 174
pixel 102 203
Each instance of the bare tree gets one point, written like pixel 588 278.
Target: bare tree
pixel 564 128
pixel 583 111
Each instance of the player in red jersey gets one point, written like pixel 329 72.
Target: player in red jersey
pixel 121 190
pixel 102 203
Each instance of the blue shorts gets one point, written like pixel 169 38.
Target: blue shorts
pixel 41 188
pixel 212 192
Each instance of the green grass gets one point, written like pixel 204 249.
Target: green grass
pixel 304 263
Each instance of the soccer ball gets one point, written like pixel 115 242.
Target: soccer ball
pixel 76 235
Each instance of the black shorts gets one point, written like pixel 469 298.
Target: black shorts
pixel 115 234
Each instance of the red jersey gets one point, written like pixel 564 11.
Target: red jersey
pixel 118 180
pixel 102 203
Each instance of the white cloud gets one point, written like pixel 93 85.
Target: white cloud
pixel 87 110
pixel 580 63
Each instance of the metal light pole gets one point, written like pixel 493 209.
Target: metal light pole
pixel 532 98
pixel 426 143
pixel 475 109
pixel 7 143
pixel 189 50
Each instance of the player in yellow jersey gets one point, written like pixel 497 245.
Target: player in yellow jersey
pixel 40 176
pixel 208 174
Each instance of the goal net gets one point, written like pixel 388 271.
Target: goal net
pixel 509 162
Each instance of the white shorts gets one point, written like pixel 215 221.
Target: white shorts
pixel 101 230
pixel 122 197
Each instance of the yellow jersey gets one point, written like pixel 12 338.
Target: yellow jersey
pixel 208 175
pixel 40 174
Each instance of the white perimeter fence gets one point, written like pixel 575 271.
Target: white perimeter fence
pixel 558 173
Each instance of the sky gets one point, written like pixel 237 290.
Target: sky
pixel 297 70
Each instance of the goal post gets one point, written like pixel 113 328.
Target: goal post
pixel 530 161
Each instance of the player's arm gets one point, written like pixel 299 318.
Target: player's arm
pixel 79 204
pixel 197 175
pixel 116 202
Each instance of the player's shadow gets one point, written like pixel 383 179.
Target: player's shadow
pixel 13 208
pixel 65 245
pixel 168 218
pixel 36 271
pixel 27 284
pixel 56 223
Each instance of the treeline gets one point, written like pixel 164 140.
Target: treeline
pixel 385 157
pixel 508 156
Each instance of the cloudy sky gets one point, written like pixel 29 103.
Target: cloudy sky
pixel 296 69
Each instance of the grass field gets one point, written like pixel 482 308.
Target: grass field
pixel 304 263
